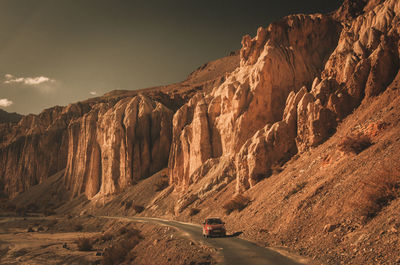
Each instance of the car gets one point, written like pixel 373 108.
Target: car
pixel 213 227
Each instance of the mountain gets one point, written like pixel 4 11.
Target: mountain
pixel 9 117
pixel 293 140
pixel 104 143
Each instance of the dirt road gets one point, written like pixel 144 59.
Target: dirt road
pixel 232 250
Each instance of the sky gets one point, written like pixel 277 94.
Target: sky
pixel 56 52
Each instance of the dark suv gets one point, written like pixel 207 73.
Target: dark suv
pixel 213 227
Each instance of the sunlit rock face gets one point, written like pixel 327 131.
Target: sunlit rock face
pixel 280 59
pixel 112 147
pixel 35 148
pixel 105 143
pixel 297 79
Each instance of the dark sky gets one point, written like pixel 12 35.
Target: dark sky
pixel 54 52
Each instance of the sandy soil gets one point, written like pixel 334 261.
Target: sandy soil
pixel 52 240
pixel 43 245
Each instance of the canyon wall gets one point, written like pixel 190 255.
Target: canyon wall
pixel 112 147
pixel 292 85
pixel 35 148
pixel 297 80
pixel 105 143
pixel 279 60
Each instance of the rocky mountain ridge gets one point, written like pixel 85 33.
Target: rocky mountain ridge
pixel 6 117
pixel 296 80
pixel 266 126
pixel 73 138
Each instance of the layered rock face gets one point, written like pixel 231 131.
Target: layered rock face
pixel 280 59
pixel 297 79
pixel 105 143
pixel 363 64
pixel 112 147
pixel 35 148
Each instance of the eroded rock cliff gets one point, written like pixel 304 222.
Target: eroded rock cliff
pixel 112 147
pixel 297 80
pixel 35 148
pixel 280 59
pixel 105 143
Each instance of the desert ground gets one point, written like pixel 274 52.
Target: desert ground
pixel 96 240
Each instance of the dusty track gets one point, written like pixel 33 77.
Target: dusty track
pixel 231 250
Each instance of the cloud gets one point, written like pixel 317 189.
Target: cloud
pixel 30 81
pixel 42 83
pixel 93 93
pixel 5 102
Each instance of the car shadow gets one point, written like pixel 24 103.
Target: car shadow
pixel 236 234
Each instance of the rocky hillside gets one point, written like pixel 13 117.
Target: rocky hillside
pixel 282 126
pixel 105 143
pixel 297 80
pixel 294 82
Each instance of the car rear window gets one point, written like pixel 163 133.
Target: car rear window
pixel 214 221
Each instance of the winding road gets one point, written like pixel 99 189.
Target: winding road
pixel 231 250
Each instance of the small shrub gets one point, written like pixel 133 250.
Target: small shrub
pixel 20 252
pixel 276 169
pixel 32 207
pixel 114 254
pixel 128 204
pixel 133 234
pixel 296 189
pixel 106 237
pixel 78 227
pixel 355 143
pixel 161 184
pixel 4 250
pixel 238 202
pixel 123 230
pixel 52 223
pixel 122 250
pixel 21 211
pixel 379 190
pixel 48 212
pixel 138 208
pixel 194 211
pixel 11 207
pixel 84 244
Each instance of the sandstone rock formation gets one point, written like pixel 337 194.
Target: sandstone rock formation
pixel 293 84
pixel 107 142
pixel 259 116
pixel 280 59
pixel 112 147
pixel 35 148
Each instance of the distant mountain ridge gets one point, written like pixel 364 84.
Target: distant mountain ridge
pixel 9 117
